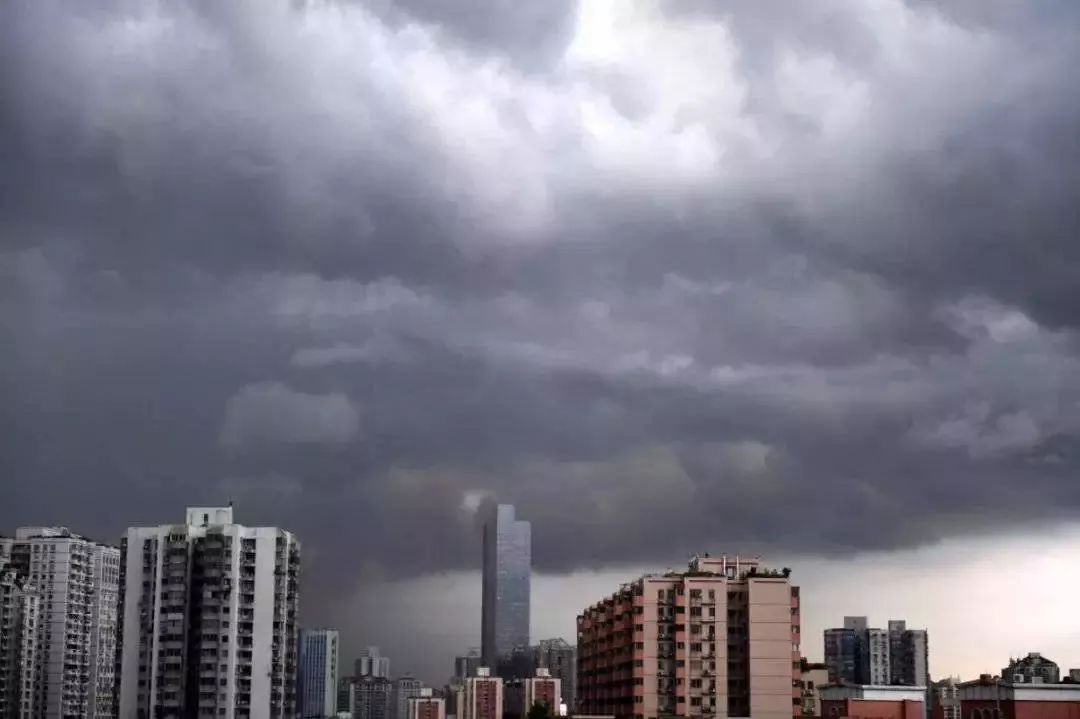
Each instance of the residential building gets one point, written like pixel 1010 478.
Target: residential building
pixel 857 701
pixel 405 688
pixel 76 580
pixel 990 698
pixel 372 664
pixel 317 678
pixel 908 654
pixel 720 639
pixel 425 706
pixel 860 654
pixel 1032 669
pixel 560 658
pixel 20 615
pixel 209 619
pixel 466 664
pixel 946 700
pixel 813 676
pixel 507 575
pixel 373 698
pixel 482 697
pixel 1074 676
pixel 542 689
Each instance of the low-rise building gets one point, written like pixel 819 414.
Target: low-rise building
pixel 991 698
pixel 1032 669
pixel 863 701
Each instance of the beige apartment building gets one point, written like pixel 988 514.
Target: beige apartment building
pixel 720 639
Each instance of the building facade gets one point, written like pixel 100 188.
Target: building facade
pixel 20 608
pixel 405 688
pixel 860 654
pixel 465 665
pixel 721 639
pixel 209 619
pixel 1032 669
pixel 542 689
pixel 560 658
pixel 372 699
pixel 317 677
pixel 425 706
pixel 946 700
pixel 76 581
pixel 856 701
pixel 813 676
pixel 481 696
pixel 991 698
pixel 506 584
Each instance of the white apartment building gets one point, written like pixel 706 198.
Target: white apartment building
pixel 425 706
pixel 76 580
pixel 20 607
pixel 208 619
pixel 481 697
pixel 405 688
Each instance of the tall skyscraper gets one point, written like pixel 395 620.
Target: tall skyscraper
pixel 560 658
pixel 721 639
pixel 506 584
pixel 372 664
pixel 405 688
pixel 482 697
pixel 860 654
pixel 75 654
pixel 317 678
pixel 20 607
pixel 209 619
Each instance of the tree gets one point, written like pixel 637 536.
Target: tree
pixel 539 710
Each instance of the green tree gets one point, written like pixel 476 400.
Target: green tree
pixel 539 710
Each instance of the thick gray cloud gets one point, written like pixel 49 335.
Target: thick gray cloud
pixel 781 277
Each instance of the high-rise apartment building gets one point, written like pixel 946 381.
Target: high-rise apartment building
pixel 76 580
pixel 405 688
pixel 860 654
pixel 908 655
pixel 506 584
pixel 209 619
pixel 20 607
pixel 481 697
pixel 317 678
pixel 372 664
pixel 426 706
pixel 718 640
pixel 560 658
pixel 542 689
pixel 372 698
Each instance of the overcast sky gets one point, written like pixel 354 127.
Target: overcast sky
pixel 799 278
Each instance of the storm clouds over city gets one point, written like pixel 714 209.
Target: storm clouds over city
pixel 794 278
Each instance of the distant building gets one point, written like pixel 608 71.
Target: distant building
pixel 20 615
pixel 542 689
pixel 946 700
pixel 860 654
pixel 857 701
pixel 721 638
pixel 372 698
pixel 990 698
pixel 77 582
pixel 346 695
pixel 813 676
pixel 482 697
pixel 560 658
pixel 209 619
pixel 426 706
pixel 465 665
pixel 372 664
pixel 317 678
pixel 405 688
pixel 1074 676
pixel 1032 669
pixel 507 572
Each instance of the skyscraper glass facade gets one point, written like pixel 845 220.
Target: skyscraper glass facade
pixel 317 673
pixel 506 583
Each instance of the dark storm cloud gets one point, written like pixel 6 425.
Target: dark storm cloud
pixel 774 277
